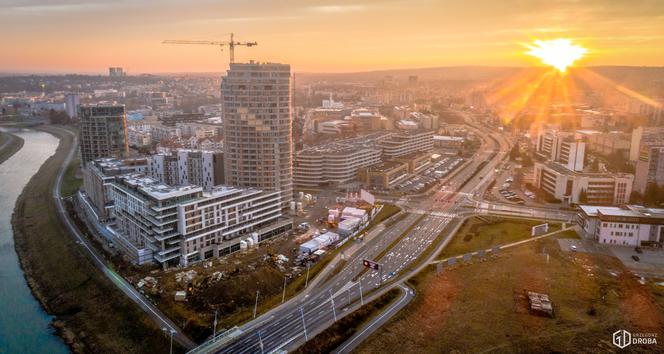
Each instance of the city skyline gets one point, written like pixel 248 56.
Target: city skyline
pixel 321 36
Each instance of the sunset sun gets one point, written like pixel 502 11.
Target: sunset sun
pixel 560 53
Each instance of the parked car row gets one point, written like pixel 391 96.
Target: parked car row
pixel 443 167
pixel 508 194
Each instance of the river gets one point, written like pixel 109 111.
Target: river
pixel 24 326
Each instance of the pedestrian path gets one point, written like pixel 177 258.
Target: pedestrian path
pixel 502 247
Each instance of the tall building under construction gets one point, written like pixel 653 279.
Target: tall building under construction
pixel 258 146
pixel 103 131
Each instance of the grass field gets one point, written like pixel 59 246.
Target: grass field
pixel 485 232
pixel 14 144
pixel 91 313
pixel 71 183
pixel 480 307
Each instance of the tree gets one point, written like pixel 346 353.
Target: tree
pixel 527 161
pixel 515 153
pixel 57 117
pixel 654 195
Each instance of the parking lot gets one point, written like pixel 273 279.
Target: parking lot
pixel 650 262
pixel 417 183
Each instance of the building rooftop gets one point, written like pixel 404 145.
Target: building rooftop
pixel 384 166
pixel 156 189
pixel 565 171
pixel 637 211
pixel 448 138
pixel 344 145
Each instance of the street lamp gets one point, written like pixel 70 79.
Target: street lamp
pixel 304 324
pixel 171 332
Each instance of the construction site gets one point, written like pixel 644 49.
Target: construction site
pixel 235 288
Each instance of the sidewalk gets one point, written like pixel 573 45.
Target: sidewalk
pixel 502 247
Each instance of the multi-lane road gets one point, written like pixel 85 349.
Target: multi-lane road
pixel 399 246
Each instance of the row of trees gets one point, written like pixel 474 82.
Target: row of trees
pixel 653 196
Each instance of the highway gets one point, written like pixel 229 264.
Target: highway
pixel 400 247
pixel 157 316
pixel 291 324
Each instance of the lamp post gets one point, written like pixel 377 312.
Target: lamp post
pixel 283 295
pixel 171 332
pixel 256 304
pixel 304 324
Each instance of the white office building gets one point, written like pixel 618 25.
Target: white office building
pixel 337 162
pixel 570 186
pixel 630 225
pixel 563 148
pixel 405 143
pixel 170 226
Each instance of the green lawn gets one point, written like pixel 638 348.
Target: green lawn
pixel 485 232
pixel 568 234
pixel 70 183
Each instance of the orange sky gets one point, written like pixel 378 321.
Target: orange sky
pixel 322 36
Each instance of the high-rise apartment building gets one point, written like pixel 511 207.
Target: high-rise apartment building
pixel 645 136
pixel 103 131
pixel 258 145
pixel 183 167
pixel 116 72
pixel 72 100
pixel 649 168
pixel 563 148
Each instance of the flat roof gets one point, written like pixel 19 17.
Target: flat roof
pixel 448 138
pixel 384 166
pixel 345 145
pixel 636 211
pixel 565 171
pixel 156 189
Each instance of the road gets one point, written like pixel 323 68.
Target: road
pixel 159 318
pixel 400 247
pixel 407 295
pixel 292 323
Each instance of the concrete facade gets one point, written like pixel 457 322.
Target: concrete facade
pixel 103 131
pixel 257 112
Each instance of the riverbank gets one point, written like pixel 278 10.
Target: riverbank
pixel 9 145
pixel 91 314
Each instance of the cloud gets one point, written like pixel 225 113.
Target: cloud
pixel 329 9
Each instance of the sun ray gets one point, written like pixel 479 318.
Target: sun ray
pixel 560 53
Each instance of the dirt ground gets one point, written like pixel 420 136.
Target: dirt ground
pixel 227 285
pixel 481 307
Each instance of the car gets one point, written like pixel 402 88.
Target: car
pixel 636 258
pixel 573 248
pixel 638 249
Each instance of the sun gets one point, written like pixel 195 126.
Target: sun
pixel 560 53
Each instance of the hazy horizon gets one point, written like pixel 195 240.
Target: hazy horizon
pixel 321 36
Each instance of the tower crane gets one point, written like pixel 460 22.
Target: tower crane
pixel 230 44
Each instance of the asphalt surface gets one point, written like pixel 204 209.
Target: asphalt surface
pixel 293 323
pixel 407 295
pixel 159 318
pixel 285 327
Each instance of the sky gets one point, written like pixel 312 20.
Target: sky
pixel 320 36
